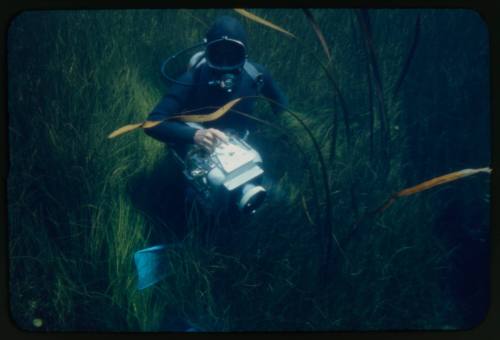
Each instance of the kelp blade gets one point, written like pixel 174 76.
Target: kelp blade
pixel 261 21
pixel 184 118
pixel 208 117
pixel 124 129
pixel 441 180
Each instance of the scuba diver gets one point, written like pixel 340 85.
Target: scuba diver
pixel 216 75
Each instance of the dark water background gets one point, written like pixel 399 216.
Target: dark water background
pixel 80 205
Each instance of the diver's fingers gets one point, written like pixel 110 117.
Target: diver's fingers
pixel 219 135
pixel 202 138
pixel 210 136
pixel 208 144
pixel 207 141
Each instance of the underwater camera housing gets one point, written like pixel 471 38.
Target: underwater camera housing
pixel 230 175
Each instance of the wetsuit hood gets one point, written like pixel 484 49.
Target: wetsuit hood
pixel 227 26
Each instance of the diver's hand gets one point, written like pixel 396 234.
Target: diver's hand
pixel 208 138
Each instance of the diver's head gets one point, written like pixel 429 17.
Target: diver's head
pixel 226 45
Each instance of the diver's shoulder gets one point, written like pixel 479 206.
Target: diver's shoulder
pixel 190 76
pixel 261 68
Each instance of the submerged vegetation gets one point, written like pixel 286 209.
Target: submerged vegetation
pixel 381 100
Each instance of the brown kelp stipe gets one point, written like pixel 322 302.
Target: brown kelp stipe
pixel 453 176
pixel 321 38
pixel 409 58
pixel 328 69
pixel 319 33
pixel 363 18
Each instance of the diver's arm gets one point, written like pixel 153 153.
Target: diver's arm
pixel 169 132
pixel 171 104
